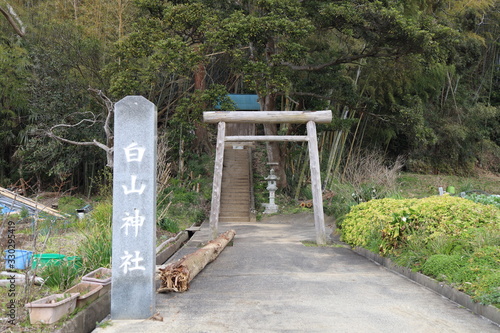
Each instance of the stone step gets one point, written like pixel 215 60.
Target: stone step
pixel 241 189
pixel 236 178
pixel 236 206
pixel 235 195
pixel 236 198
pixel 240 206
pixel 234 219
pixel 235 191
pixel 240 199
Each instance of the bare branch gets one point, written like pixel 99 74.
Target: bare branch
pixel 108 150
pixel 13 24
pixel 77 143
pixel 110 107
pixel 108 147
pixel 344 60
pixel 93 121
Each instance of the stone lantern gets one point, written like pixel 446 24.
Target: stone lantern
pixel 271 207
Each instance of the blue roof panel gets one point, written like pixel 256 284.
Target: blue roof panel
pixel 245 102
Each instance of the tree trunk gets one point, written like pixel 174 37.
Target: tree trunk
pixel 176 276
pixel 273 148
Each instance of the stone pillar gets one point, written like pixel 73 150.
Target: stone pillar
pixel 134 209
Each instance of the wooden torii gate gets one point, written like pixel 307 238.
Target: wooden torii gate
pixel 270 117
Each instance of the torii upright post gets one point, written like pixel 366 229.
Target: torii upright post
pixel 319 217
pixel 271 117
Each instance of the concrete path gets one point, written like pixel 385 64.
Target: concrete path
pixel 269 281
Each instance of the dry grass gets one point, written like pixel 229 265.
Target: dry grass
pixel 370 167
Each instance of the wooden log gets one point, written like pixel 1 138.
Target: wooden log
pixel 176 276
pixel 268 117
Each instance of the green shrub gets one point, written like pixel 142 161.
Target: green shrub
pixel 169 225
pixel 445 267
pixel 450 238
pixel 437 216
pixel 60 276
pixel 338 207
pixel 478 274
pixel 95 249
pixel 368 219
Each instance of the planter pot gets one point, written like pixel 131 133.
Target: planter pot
pixel 100 276
pixel 48 310
pixel 89 292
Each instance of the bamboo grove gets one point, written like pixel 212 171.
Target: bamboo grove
pixel 416 80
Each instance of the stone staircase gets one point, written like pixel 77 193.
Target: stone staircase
pixel 236 201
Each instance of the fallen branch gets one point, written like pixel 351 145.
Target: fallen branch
pixel 19 279
pixel 176 276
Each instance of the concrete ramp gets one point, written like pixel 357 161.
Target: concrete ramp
pixel 269 281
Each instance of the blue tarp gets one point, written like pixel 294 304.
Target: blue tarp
pixel 8 206
pixel 5 210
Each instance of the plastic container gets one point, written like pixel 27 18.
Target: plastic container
pixel 50 309
pixel 21 259
pixel 46 259
pixel 450 189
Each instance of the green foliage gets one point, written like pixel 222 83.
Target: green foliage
pixel 437 102
pixel 103 182
pixel 169 225
pixel 14 63
pixel 338 207
pixel 180 194
pixel 370 217
pixel 65 63
pixel 438 216
pixel 181 205
pixel 60 276
pixel 477 273
pixel 450 238
pixel 186 122
pixel 445 267
pixel 69 204
pixel 394 234
pixel 484 199
pixel 95 248
pixel 346 195
pixel 24 213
